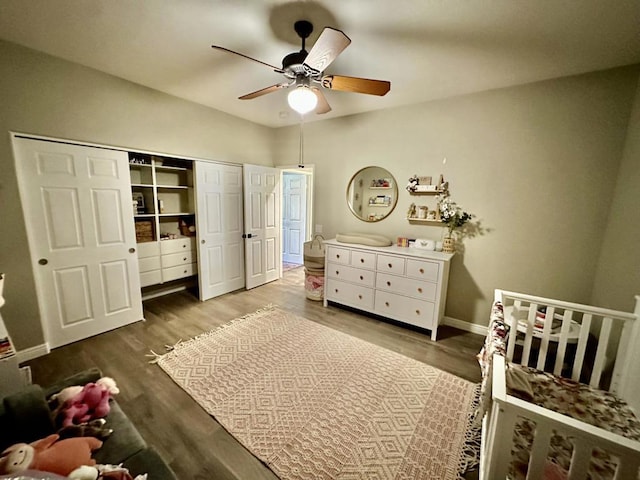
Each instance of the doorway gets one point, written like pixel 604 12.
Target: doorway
pixel 297 195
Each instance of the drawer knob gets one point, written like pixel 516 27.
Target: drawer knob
pixel 419 289
pixel 362 260
pixel 337 272
pixel 185 271
pixel 184 259
pixel 338 255
pixel 417 312
pixel 422 270
pixel 360 297
pixel 336 290
pixel 361 277
pixel 184 246
pixel 388 284
pixel 132 250
pixel 386 304
pixel 390 266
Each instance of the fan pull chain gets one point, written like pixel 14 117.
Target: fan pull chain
pixel 301 152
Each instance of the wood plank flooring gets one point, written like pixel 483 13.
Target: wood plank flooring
pixel 192 442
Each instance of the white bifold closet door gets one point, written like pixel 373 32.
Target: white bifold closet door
pixel 79 218
pixel 220 226
pixel 262 228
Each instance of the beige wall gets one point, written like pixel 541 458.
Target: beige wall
pixel 617 277
pixel 46 96
pixel 537 164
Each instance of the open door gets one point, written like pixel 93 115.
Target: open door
pixel 261 225
pixel 294 216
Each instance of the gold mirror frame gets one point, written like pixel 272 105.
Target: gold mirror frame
pixel 372 194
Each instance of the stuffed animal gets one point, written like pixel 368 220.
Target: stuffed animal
pixel 413 183
pixel 50 455
pixel 104 472
pixel 91 402
pixel 70 392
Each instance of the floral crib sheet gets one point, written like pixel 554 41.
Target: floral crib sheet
pixel 597 407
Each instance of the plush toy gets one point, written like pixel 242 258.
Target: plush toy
pixel 49 455
pixel 91 402
pixel 104 472
pixel 70 392
pixel 413 183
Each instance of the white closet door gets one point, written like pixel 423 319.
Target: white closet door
pixel 79 218
pixel 262 224
pixel 294 216
pixel 219 228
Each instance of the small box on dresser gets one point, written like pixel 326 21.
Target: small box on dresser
pixel 404 284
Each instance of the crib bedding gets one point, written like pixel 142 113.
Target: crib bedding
pixel 579 401
pixel 582 402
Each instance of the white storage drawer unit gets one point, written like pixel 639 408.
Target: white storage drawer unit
pixel 149 263
pixel 166 260
pixel 404 284
pixel 178 258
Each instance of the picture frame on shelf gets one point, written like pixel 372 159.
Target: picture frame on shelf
pixel 138 202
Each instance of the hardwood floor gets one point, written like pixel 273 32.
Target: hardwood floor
pixel 194 444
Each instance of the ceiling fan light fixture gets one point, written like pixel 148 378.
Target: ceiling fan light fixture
pixel 302 99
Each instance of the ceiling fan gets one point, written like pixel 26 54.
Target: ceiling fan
pixel 304 72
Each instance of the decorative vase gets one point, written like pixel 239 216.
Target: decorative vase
pixel 448 245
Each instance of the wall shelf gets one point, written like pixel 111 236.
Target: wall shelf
pixel 435 192
pixel 436 223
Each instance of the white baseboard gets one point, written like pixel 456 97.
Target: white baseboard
pixel 32 352
pixel 466 326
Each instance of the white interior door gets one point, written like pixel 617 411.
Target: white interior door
pixel 79 218
pixel 261 224
pixel 294 216
pixel 219 230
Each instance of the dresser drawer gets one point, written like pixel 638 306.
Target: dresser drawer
pixel 422 269
pixel 181 271
pixel 389 264
pixel 148 249
pixel 180 258
pixel 351 274
pixel 149 263
pixel 353 295
pixel 406 286
pixel 363 259
pixel 177 245
pixel 150 278
pixel 338 255
pixel 410 310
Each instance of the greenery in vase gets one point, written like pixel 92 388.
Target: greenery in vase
pixel 452 214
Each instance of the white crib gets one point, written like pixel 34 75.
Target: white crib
pixel 597 346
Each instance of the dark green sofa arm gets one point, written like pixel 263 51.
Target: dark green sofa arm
pixel 25 417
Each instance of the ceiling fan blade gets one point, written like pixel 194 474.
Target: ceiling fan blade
pixel 323 106
pixel 277 69
pixel 263 91
pixel 357 85
pixel 329 45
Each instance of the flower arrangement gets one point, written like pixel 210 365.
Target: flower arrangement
pixel 452 214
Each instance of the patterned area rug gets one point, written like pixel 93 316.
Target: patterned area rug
pixel 315 403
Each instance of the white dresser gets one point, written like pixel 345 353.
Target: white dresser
pixel 404 284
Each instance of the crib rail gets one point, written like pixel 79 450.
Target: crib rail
pixel 566 335
pixel 499 430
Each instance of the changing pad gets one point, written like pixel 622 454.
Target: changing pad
pixel 364 239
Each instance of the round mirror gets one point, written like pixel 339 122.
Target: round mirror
pixel 372 194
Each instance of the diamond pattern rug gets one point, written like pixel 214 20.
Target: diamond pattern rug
pixel 315 403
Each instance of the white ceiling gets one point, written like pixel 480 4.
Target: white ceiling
pixel 428 49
